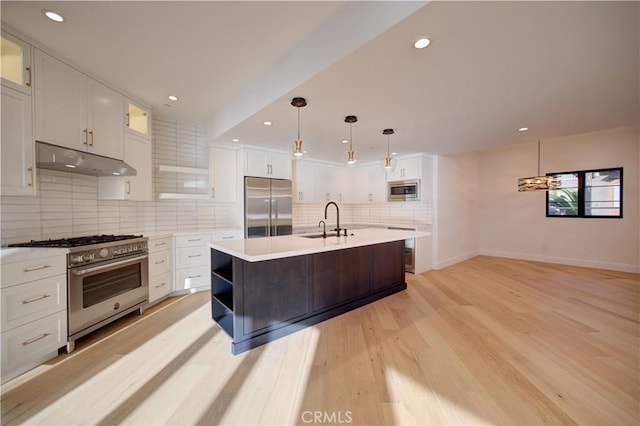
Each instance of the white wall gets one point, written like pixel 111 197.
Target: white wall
pixel 455 230
pixel 514 224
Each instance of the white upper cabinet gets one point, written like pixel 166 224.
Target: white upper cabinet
pixel 223 174
pixel 76 111
pixel 138 119
pixel 137 153
pixel 18 154
pixel 267 164
pixel 306 182
pixel 406 169
pixel 370 184
pixel 16 68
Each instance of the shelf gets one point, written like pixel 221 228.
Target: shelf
pixel 226 323
pixel 179 169
pixel 225 273
pixel 225 299
pixel 181 196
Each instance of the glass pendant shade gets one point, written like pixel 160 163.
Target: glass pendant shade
pixel 350 153
pixel 298 148
pixel 538 183
pixel 388 163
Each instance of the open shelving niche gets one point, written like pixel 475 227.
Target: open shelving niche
pixel 222 290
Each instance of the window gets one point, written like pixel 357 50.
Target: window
pixel 587 193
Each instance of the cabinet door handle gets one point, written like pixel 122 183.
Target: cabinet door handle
pixel 197 239
pixel 128 120
pixel 159 262
pixel 91 133
pixel 33 179
pixel 86 137
pixel 35 299
pixel 195 276
pixel 35 339
pixel 37 268
pixel 28 83
pixel 128 187
pixel 160 285
pixel 194 255
pixel 213 192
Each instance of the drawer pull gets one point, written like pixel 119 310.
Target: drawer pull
pixel 194 255
pixel 161 285
pixel 195 276
pixel 227 237
pixel 35 299
pixel 37 268
pixel 197 239
pixel 160 244
pixel 159 262
pixel 35 339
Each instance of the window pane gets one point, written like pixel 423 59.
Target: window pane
pixel 564 201
pixel 602 193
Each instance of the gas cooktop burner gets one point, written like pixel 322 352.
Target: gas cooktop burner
pixel 76 241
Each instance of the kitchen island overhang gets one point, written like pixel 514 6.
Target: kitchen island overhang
pixel 266 288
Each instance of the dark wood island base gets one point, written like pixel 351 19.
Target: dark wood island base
pixel 257 302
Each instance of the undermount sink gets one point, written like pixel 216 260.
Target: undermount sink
pixel 329 234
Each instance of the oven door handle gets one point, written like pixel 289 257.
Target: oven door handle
pixel 108 265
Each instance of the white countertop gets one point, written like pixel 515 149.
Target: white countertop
pixel 268 248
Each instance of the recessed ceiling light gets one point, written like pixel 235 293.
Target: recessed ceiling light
pixel 54 16
pixel 523 129
pixel 115 173
pixel 422 43
pixel 267 123
pixel 173 98
pixel 71 166
pixel 345 141
pixel 394 153
pixel 235 140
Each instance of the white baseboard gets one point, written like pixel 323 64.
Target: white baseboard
pixel 453 260
pixel 622 267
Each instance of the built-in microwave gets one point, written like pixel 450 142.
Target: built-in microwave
pixel 404 190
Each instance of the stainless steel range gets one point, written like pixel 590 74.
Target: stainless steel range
pixel 108 277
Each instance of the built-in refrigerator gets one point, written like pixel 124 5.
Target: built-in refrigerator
pixel 267 207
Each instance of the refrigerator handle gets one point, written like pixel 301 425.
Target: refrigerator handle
pixel 275 216
pixel 267 207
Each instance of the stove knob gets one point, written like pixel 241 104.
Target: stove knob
pixel 104 252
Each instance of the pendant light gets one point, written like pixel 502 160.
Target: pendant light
pixel 350 153
pixel 538 183
pixel 388 163
pixel 297 148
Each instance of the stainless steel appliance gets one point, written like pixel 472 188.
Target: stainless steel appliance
pixel 409 250
pixel 107 278
pixel 267 205
pixel 404 190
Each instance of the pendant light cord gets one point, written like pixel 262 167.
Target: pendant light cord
pixel 298 123
pixel 538 157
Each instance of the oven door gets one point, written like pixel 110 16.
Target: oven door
pixel 100 291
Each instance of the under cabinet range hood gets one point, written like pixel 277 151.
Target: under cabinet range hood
pixel 63 159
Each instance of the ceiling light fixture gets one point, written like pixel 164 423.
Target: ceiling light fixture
pixel 173 98
pixel 523 129
pixel 235 140
pixel 54 16
pixel 538 183
pixel 350 152
pixel 388 163
pixel 297 149
pixel 267 123
pixel 422 43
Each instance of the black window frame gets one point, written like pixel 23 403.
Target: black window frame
pixel 581 190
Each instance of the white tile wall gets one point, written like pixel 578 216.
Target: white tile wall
pixel 410 213
pixel 67 204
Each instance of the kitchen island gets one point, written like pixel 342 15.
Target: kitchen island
pixel 266 288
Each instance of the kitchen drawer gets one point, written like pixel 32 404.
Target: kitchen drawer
pixel 227 235
pixel 31 301
pixel 33 269
pixel 32 344
pixel 160 286
pixel 158 244
pixel 193 240
pixel 159 262
pixel 193 277
pixel 187 257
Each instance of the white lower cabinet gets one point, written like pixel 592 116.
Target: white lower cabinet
pixel 34 312
pixel 160 268
pixel 192 261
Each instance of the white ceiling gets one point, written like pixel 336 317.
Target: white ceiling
pixel 559 68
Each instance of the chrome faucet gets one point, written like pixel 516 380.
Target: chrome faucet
pixel 337 216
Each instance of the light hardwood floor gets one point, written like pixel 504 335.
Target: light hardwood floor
pixel 486 341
